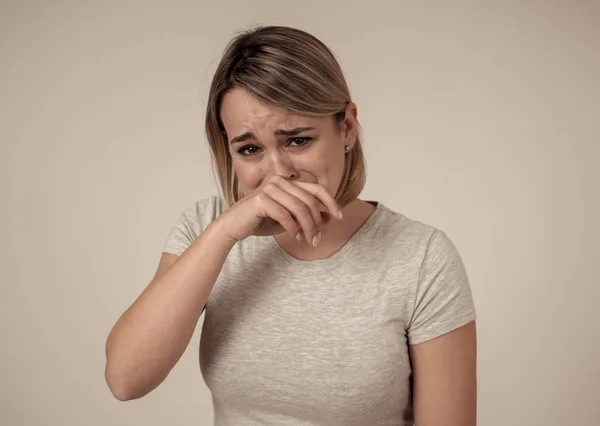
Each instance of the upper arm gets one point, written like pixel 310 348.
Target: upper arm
pixel 444 379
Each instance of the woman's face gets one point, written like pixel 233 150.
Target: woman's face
pixel 265 141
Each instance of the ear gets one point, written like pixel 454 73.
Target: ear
pixel 350 125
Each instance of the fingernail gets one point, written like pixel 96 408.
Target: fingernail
pixel 316 239
pixel 298 236
pixel 341 215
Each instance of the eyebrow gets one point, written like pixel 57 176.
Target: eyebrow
pixel 279 132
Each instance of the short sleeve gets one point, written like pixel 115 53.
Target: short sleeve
pixel 443 299
pixel 191 223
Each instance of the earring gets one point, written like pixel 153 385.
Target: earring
pixel 347 148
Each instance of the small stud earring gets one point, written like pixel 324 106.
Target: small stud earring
pixel 347 148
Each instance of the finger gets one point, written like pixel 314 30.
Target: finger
pixel 313 204
pixel 280 214
pixel 321 193
pixel 297 208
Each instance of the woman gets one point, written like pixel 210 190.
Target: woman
pixel 321 308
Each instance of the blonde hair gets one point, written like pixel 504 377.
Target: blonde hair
pixel 289 69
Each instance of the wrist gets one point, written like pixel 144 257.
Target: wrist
pixel 216 231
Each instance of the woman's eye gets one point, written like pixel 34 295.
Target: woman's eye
pixel 299 141
pixel 248 150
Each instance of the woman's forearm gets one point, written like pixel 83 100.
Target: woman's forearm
pixel 150 337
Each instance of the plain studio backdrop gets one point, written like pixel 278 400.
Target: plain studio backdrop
pixel 480 118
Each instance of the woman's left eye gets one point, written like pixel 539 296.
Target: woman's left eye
pixel 299 141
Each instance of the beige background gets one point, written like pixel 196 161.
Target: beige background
pixel 481 118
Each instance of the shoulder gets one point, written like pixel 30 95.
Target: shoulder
pixel 439 295
pixel 401 237
pixel 204 210
pixel 400 230
pixel 192 221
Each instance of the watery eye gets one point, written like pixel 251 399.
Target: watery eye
pixel 248 150
pixel 299 141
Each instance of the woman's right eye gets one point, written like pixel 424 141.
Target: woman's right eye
pixel 248 150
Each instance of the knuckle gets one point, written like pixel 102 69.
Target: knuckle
pixel 261 198
pixel 269 187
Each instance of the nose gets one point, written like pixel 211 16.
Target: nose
pixel 280 164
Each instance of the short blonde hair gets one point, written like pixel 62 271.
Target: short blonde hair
pixel 289 69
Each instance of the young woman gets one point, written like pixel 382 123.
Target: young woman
pixel 321 308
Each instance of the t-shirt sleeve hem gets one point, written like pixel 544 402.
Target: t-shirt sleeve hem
pixel 439 329
pixel 173 249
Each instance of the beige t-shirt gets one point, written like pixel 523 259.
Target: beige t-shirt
pixel 292 342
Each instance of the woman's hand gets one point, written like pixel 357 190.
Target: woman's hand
pixel 279 205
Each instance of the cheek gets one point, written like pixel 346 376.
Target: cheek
pixel 339 171
pixel 333 168
pixel 334 162
pixel 249 177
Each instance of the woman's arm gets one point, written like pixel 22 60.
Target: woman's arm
pixel 444 379
pixel 150 337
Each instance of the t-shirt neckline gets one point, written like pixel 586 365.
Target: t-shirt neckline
pixel 341 253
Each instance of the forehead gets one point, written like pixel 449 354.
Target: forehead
pixel 240 111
